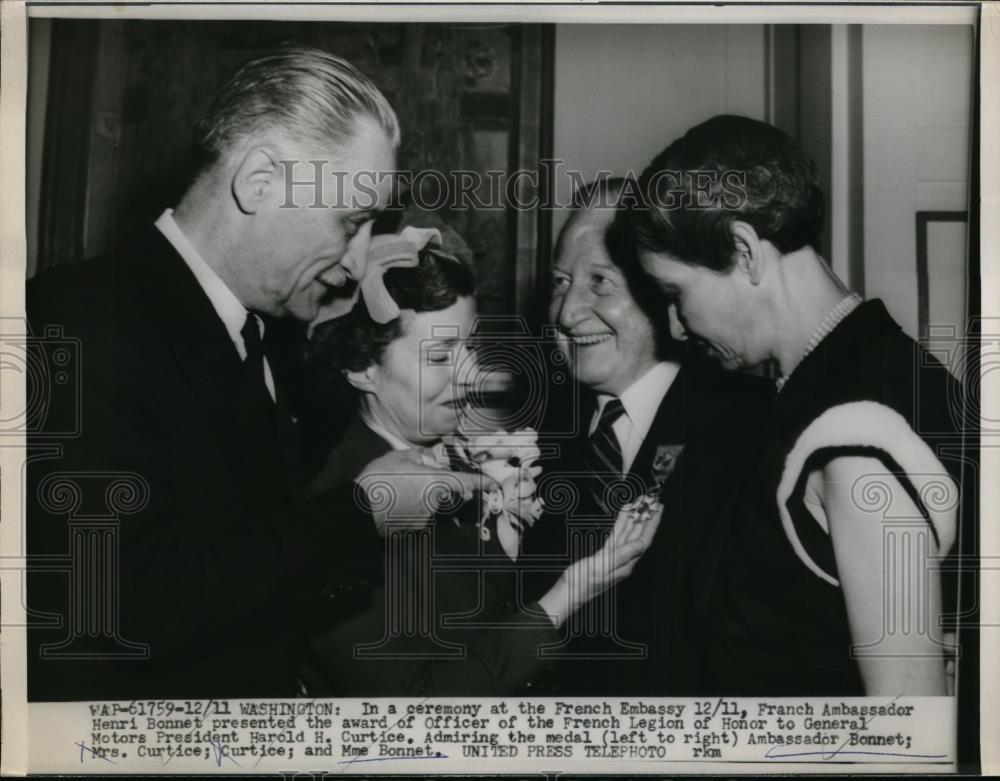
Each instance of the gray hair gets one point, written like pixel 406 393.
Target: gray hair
pixel 307 92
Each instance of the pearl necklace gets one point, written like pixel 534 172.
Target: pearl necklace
pixel 833 318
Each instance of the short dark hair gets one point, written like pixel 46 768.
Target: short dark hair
pixel 725 169
pixel 355 341
pixel 307 92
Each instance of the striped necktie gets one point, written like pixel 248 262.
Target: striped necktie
pixel 604 456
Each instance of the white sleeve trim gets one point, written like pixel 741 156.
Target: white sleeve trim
pixel 870 424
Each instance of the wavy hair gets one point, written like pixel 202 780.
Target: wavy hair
pixel 306 92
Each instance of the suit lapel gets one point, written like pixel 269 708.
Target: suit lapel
pixel 205 355
pixel 654 580
pixel 206 359
pixel 669 427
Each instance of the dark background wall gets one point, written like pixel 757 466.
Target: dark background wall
pixel 122 96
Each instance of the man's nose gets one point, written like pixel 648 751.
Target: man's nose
pixel 355 260
pixel 677 329
pixel 569 310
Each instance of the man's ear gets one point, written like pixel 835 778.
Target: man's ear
pixel 749 250
pixel 257 171
pixel 363 380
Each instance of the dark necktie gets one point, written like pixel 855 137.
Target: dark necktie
pixel 455 462
pixel 268 419
pixel 604 455
pixel 253 364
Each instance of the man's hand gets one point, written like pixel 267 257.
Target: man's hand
pixel 589 577
pixel 405 488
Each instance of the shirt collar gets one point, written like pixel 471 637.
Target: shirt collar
pixel 643 397
pixel 232 313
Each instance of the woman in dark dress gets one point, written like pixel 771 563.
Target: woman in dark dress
pixel 833 579
pixel 433 629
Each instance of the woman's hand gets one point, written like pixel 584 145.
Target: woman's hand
pixel 587 578
pixel 405 488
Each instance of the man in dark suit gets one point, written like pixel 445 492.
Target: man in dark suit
pixel 650 422
pixel 172 551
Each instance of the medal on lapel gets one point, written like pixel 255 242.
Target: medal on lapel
pixel 664 464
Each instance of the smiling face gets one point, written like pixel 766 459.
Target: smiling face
pixel 301 237
pixel 608 340
pixel 713 309
pixel 418 388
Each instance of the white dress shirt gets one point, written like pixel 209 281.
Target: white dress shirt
pixel 641 401
pixel 227 306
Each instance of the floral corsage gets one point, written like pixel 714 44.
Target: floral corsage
pixel 508 458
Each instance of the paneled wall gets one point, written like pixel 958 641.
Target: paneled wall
pixel 885 110
pixel 122 97
pixel 917 112
pixel 623 92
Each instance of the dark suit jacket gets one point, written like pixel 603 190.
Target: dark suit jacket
pixel 656 646
pixel 213 560
pixel 470 633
